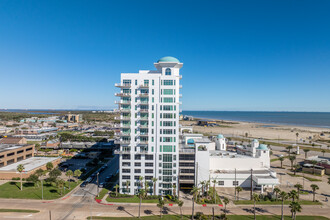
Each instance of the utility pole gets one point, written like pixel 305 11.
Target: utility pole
pixel 251 185
pixel 235 185
pixel 50 215
pixel 97 181
pixel 42 190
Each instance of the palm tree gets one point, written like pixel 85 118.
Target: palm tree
pixel 306 151
pixel 160 205
pixel 299 187
pixel 128 183
pixel 140 195
pixel 141 181
pixel 296 167
pixel 69 173
pixel 154 180
pixel 146 185
pixel 174 190
pixel 214 182
pixel 314 188
pixel 295 207
pixel 203 184
pixel 116 188
pixel 20 169
pixel 195 192
pixel 314 162
pixel 284 196
pixel 60 184
pixel 277 191
pixel 297 135
pixel 289 148
pixel 323 151
pixel 226 201
pixel 292 159
pixel 238 189
pixel 281 159
pixel 180 204
pixel 255 199
pixel 293 195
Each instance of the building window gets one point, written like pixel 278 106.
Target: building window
pixel 137 171
pixel 235 183
pixel 126 177
pixel 137 164
pixel 221 183
pixel 137 157
pixel 168 72
pixel 149 157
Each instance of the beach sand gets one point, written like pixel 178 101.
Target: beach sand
pixel 260 130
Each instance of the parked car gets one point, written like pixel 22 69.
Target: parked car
pixel 83 184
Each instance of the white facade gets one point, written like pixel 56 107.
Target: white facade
pixel 149 128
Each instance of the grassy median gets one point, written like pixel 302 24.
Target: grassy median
pixel 30 191
pixel 251 202
pixel 19 210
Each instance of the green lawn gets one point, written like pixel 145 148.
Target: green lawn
pixel 103 192
pixel 133 199
pixel 19 210
pixel 306 177
pixel 250 202
pixel 12 190
pixel 230 217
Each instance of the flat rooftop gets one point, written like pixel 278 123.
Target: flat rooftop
pixel 29 164
pixel 254 172
pixel 7 147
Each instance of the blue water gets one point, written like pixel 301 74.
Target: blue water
pixel 313 119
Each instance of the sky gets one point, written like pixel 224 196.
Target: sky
pixel 243 55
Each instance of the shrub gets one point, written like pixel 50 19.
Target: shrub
pixel 15 178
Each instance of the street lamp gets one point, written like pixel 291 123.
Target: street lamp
pixel 97 181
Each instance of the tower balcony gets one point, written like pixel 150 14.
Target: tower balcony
pixel 123 118
pixel 143 134
pixel 180 86
pixel 143 86
pixel 144 126
pixel 144 118
pixel 123 85
pixel 142 152
pixel 143 142
pixel 123 151
pixel 144 103
pixel 125 110
pixel 123 134
pixel 144 110
pixel 122 126
pixel 121 94
pixel 122 102
pixel 145 94
pixel 122 142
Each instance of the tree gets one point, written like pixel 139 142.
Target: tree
pixel 289 148
pixel 238 189
pixel 180 204
pixel 292 159
pixel 281 159
pixel 160 205
pixel 54 174
pixel 314 188
pixel 297 135
pixel 34 178
pixel 298 186
pixel 39 172
pixel 174 190
pixel 203 184
pixel 293 195
pixel 141 181
pixel 49 166
pixel 306 151
pixel 277 191
pixel 37 147
pixel 283 196
pixel 77 173
pixel 323 151
pixel 214 182
pixel 314 162
pixel 128 183
pixel 60 184
pixel 140 195
pixel 255 199
pixel 295 207
pixel 296 167
pixel 195 192
pixel 69 174
pixel 20 169
pixel 225 201
pixel 116 188
pixel 154 180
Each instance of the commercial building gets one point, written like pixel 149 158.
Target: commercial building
pixel 75 118
pixel 13 140
pixel 10 154
pixel 149 129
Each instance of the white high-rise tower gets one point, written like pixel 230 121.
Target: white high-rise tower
pixel 149 127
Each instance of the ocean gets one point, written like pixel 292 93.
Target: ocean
pixel 311 119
